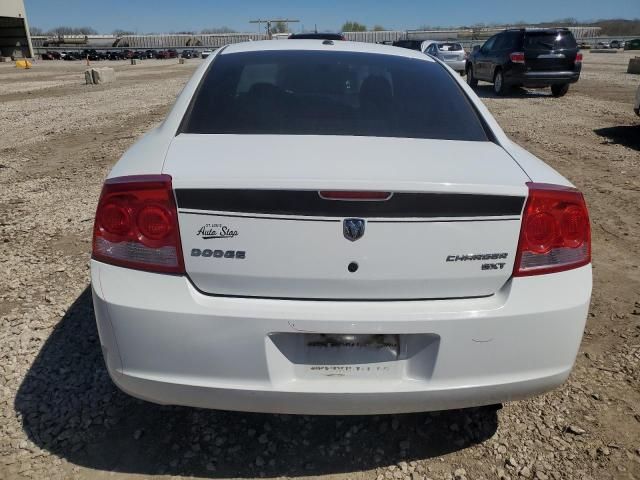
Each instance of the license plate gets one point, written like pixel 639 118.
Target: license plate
pixel 349 356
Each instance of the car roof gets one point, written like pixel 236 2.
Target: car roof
pixel 322 45
pixel 313 35
pixel 538 29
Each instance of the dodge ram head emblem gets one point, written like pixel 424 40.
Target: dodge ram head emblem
pixel 353 228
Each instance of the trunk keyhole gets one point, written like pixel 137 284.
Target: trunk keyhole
pixel 353 267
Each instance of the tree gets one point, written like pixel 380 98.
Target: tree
pixel 378 28
pixel 36 31
pixel 279 27
pixel 206 31
pixel 351 26
pixel 72 31
pixel 121 33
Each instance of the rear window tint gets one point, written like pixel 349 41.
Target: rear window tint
pixel 549 41
pixel 337 93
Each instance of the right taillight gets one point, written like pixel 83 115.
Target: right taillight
pixel 578 58
pixel 555 233
pixel 137 225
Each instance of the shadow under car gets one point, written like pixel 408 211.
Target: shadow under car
pixel 70 407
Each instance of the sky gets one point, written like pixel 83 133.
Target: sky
pixel 145 16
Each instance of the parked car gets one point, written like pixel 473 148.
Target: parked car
pixel 72 56
pixel 442 266
pixel 172 53
pixel 91 54
pixel 617 44
pixel 409 44
pixel 527 57
pixel 450 53
pixel 206 53
pixel 150 54
pixel 162 54
pixel 51 55
pixel 632 44
pixel 187 54
pixel 636 105
pixel 117 55
pixel 316 36
pixel 603 45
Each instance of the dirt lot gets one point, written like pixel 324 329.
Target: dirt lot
pixel 61 417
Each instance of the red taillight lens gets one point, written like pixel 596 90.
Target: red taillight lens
pixel 137 225
pixel 578 57
pixel 517 57
pixel 555 233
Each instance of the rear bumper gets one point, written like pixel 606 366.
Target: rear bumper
pixel 165 342
pixel 543 78
pixel 457 65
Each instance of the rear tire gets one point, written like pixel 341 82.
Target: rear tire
pixel 559 90
pixel 472 81
pixel 499 86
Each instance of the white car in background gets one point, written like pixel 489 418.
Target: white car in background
pixel 403 255
pixel 450 53
pixel 206 53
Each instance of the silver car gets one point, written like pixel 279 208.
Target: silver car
pixel 450 53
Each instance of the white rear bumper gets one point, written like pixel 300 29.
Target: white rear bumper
pixel 165 342
pixel 457 65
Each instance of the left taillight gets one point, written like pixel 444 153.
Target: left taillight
pixel 517 57
pixel 136 224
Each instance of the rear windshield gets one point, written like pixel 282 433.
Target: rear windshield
pixel 331 93
pixel 549 41
pixel 449 47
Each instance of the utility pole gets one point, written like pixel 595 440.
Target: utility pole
pixel 271 21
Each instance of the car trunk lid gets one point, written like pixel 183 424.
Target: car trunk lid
pixel 272 216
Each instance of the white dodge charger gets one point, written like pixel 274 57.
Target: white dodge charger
pixel 325 227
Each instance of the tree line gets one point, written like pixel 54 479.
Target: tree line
pixel 57 31
pixel 610 27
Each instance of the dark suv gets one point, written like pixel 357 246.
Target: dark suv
pixel 527 57
pixel 410 44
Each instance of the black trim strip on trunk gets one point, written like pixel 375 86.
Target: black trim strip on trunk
pixel 309 203
pixel 335 220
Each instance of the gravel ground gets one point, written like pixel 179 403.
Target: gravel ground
pixel 61 417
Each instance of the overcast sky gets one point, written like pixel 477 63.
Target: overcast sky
pixel 175 15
